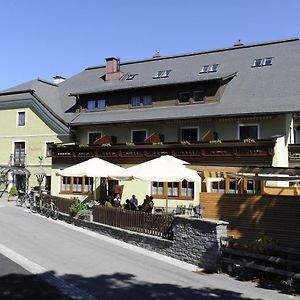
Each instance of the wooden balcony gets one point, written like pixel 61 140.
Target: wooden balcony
pixel 258 153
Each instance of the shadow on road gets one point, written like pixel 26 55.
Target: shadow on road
pixel 115 286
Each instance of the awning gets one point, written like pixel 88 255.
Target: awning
pixel 4 169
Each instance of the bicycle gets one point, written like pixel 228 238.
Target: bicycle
pixel 51 210
pixel 23 199
pixel 37 205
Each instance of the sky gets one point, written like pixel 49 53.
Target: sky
pixel 45 38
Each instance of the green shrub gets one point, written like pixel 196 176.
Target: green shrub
pixel 215 142
pixel 130 144
pixel 13 191
pixel 82 214
pixel 77 207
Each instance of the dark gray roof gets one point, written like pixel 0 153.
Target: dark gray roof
pixel 263 90
pixel 40 95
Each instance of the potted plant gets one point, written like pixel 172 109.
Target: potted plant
pixel 13 193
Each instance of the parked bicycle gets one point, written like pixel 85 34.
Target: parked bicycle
pixel 24 199
pixel 37 205
pixel 51 210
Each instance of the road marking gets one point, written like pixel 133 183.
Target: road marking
pixel 61 285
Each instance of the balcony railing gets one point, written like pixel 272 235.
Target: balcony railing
pixel 257 153
pixel 294 155
pixel 18 159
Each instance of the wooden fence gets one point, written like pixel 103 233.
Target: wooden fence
pixel 260 256
pixel 63 204
pixel 251 217
pixel 153 224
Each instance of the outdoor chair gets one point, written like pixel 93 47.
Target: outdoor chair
pixel 198 211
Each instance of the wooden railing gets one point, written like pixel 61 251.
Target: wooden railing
pixel 262 256
pixel 153 224
pixel 63 204
pixel 258 152
pixel 294 155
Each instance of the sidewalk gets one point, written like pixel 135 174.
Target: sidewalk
pixel 17 283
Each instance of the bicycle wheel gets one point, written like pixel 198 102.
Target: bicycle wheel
pixel 33 207
pixel 54 213
pixel 26 201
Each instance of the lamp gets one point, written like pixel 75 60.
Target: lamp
pixel 40 174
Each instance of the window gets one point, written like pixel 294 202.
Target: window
pixel 209 68
pixel 189 134
pixel 135 101
pixel 48 149
pixel 19 153
pixel 187 189
pixel 66 184
pixel 139 101
pixel 257 62
pixel 157 188
pixel 162 74
pixel 21 118
pixel 173 189
pixel 213 68
pixel 234 185
pixel 96 104
pixel 248 132
pixel 191 97
pixel 260 62
pixel 218 186
pixel 130 76
pixel 77 185
pixel 184 97
pixel 93 136
pixel 147 100
pixel 204 69
pixel 267 61
pixel 183 190
pixel 198 96
pixel 138 136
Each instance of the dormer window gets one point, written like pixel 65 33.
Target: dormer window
pixel 130 76
pixel 209 68
pixel 261 62
pixel 267 61
pixel 138 101
pixel 162 74
pixel 213 68
pixel 96 104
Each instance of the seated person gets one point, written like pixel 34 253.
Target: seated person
pixel 134 201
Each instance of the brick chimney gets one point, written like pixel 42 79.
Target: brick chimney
pixel 113 69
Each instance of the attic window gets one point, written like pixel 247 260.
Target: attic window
pixel 130 76
pixel 209 68
pixel 260 62
pixel 162 74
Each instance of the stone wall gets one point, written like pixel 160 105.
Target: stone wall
pixel 196 241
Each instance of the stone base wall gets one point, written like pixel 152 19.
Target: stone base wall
pixel 196 241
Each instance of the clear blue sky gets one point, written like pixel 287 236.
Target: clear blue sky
pixel 44 38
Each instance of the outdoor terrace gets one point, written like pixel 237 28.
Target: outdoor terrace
pixel 249 152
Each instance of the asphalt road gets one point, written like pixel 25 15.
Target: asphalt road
pixel 86 265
